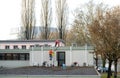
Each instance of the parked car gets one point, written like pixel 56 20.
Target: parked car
pixel 102 69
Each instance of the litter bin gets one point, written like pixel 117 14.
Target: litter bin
pixel 63 66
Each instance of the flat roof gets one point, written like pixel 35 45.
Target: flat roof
pixel 6 41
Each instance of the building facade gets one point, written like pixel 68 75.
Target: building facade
pixel 19 53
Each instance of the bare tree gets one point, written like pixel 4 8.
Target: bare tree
pixel 61 15
pixel 28 19
pixel 83 17
pixel 106 32
pixel 114 16
pixel 46 19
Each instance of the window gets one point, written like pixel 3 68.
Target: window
pixel 15 47
pixel 23 46
pixel 31 45
pixel 8 56
pixel 46 45
pixel 36 45
pixel 7 47
pixel 14 56
pixel 2 56
pixel 22 56
pixel 27 56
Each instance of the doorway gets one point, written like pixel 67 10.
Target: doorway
pixel 61 58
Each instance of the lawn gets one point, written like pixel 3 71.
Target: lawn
pixel 104 75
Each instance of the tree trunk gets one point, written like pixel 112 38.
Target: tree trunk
pixel 60 33
pixel 96 61
pixel 109 69
pixel 104 62
pixel 115 72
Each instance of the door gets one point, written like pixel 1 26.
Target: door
pixel 61 58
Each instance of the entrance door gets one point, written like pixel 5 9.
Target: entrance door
pixel 61 58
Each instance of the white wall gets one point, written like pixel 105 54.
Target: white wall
pixel 75 56
pixel 14 64
pixel 118 67
pixel 79 56
pixel 90 58
pixel 36 58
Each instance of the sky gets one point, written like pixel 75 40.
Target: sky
pixel 10 14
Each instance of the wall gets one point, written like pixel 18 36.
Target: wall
pixel 14 64
pixel 37 57
pixel 118 67
pixel 90 58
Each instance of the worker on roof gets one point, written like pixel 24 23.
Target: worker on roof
pixel 57 42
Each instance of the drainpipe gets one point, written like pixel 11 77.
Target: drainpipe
pixel 42 55
pixel 70 54
pixel 32 48
pixel 86 54
pixel 32 58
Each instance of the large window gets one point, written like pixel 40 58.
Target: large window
pixel 22 56
pixel 2 56
pixel 8 56
pixel 14 56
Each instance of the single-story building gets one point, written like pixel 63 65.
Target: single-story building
pixel 19 53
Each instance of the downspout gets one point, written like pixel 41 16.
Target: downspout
pixel 86 54
pixel 70 54
pixel 42 56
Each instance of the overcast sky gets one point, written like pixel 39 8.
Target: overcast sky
pixel 10 14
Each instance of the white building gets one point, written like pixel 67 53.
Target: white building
pixel 19 53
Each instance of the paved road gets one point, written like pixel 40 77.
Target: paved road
pixel 49 71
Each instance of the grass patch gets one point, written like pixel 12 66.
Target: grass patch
pixel 104 75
